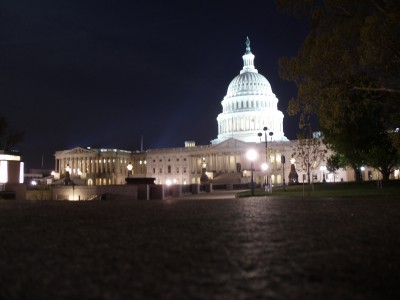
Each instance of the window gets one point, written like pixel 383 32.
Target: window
pixel 154 170
pixel 160 170
pixel 177 170
pixel 169 169
pixel 184 170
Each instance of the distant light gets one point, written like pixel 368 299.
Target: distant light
pixel 3 171
pixel 21 172
pixel 251 155
pixel 33 182
pixel 264 167
pixel 10 157
pixel 362 168
pixel 168 182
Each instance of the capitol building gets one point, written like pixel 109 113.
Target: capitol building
pixel 250 119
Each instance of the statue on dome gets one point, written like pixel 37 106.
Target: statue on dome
pixel 247 45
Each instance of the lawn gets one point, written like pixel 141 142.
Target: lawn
pixel 364 189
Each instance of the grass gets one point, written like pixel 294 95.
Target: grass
pixel 364 189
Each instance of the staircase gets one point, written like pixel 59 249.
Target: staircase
pixel 226 178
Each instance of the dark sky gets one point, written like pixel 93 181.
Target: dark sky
pixel 104 73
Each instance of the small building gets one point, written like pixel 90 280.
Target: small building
pixel 11 176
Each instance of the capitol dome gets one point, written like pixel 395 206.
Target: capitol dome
pixel 249 83
pixel 249 106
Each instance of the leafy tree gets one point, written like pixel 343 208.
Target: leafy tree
pixel 348 74
pixel 8 137
pixel 334 163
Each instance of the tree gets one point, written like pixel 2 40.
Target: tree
pixel 309 152
pixel 334 163
pixel 347 74
pixel 8 137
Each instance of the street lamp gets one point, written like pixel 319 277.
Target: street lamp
pixel 323 169
pixel 68 169
pixel 251 156
pixel 362 169
pixel 293 176
pixel 283 161
pixel 265 129
pixel 264 167
pixel 129 167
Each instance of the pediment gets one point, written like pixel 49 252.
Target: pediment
pixel 231 144
pixel 79 150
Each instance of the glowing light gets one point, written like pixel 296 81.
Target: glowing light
pixel 10 157
pixel 21 172
pixel 251 155
pixel 33 182
pixel 292 160
pixel 362 168
pixel 3 171
pixel 129 167
pixel 264 167
pixel 168 182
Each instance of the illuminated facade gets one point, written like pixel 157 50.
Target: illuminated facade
pixel 249 106
pixel 11 168
pixel 99 166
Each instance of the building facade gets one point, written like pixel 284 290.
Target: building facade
pixel 99 166
pixel 250 119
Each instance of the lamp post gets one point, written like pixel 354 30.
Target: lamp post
pixel 323 169
pixel 129 167
pixel 283 160
pixel 67 179
pixel 251 156
pixel 293 176
pixel 362 169
pixel 264 167
pixel 265 129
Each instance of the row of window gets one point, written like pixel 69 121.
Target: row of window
pixel 160 160
pixel 247 104
pixel 169 170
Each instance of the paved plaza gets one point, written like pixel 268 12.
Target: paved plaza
pixel 201 247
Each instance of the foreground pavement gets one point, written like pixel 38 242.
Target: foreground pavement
pixel 253 248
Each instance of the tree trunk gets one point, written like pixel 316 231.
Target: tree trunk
pixel 357 174
pixel 385 174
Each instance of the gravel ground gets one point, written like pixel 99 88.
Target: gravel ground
pixel 254 248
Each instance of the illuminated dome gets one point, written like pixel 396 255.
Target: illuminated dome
pixel 249 106
pixel 249 83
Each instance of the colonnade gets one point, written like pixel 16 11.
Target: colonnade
pixel 249 123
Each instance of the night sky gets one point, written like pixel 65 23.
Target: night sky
pixel 104 73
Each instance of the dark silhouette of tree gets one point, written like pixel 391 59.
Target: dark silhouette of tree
pixel 348 75
pixel 9 138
